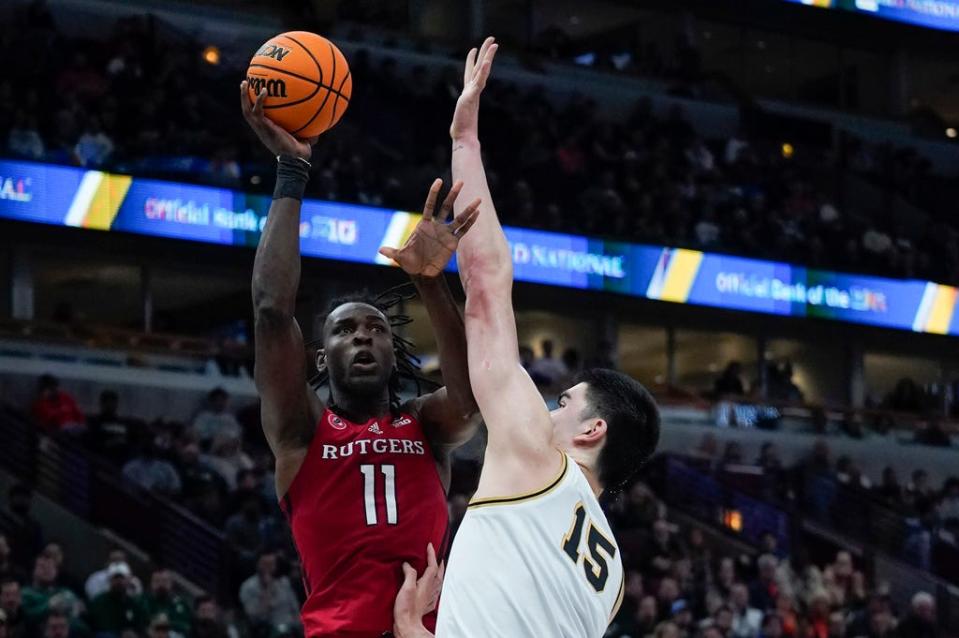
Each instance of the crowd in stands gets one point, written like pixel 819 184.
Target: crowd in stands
pixel 678 585
pixel 128 103
pixel 39 598
pixel 921 519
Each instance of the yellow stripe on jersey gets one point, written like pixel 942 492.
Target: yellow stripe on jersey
pixel 619 598
pixel 522 498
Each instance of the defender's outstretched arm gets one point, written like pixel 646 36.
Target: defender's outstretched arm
pixel 520 432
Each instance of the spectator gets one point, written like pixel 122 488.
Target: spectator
pixel 208 620
pixel 268 599
pixel 115 610
pixel 54 409
pixel 24 140
pixel 163 601
pixel 682 616
pixel 95 146
pixel 109 434
pixel 889 490
pixel 199 481
pixel 243 529
pixel 99 581
pixel 667 629
pixel 550 370
pixel 730 383
pixel 25 534
pixel 57 625
pixel 747 620
pixel 772 626
pixel 11 604
pixel 921 621
pixel 647 616
pixel 55 552
pixel 160 627
pixel 663 550
pixel 764 590
pixel 214 419
pixel 152 473
pixel 227 458
pixel 44 596
pixel 9 569
pixel 919 493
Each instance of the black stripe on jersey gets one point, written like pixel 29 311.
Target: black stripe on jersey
pixel 482 502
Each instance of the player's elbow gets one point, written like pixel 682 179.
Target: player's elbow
pixel 487 279
pixel 271 316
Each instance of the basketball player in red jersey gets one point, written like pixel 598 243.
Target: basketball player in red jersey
pixel 361 477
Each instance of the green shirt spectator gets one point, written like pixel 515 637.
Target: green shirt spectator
pixel 43 595
pixel 116 610
pixel 162 601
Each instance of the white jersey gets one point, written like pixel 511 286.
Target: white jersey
pixel 537 565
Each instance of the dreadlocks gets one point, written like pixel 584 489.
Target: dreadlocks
pixel 407 363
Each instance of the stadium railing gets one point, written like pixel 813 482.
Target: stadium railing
pixel 61 469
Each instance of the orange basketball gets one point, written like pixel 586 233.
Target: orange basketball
pixel 307 80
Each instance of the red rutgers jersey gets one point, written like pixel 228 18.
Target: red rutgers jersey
pixel 367 498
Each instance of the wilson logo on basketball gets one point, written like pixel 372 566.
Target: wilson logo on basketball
pixel 274 88
pixel 274 51
pixel 336 422
pixel 398 423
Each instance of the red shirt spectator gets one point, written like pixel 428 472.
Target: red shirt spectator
pixel 54 409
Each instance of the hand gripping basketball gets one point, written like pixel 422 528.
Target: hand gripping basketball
pixel 278 141
pixel 433 242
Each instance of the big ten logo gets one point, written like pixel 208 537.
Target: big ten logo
pixel 335 231
pixel 15 189
pixel 274 87
pixel 274 51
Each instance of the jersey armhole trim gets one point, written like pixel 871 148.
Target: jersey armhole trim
pixel 522 498
pixel 619 598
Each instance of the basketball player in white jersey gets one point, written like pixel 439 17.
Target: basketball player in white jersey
pixel 534 555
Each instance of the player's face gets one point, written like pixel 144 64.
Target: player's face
pixel 358 348
pixel 572 419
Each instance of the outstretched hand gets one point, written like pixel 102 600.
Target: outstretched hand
pixel 417 597
pixel 433 241
pixel 478 65
pixel 277 140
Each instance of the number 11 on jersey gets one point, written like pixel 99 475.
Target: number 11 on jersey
pixel 369 492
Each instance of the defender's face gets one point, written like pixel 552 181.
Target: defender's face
pixel 358 348
pixel 568 418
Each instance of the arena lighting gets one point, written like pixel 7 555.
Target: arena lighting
pixel 733 519
pixel 951 132
pixel 788 150
pixel 211 55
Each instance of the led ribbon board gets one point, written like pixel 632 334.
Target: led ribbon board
pixel 935 14
pixel 65 196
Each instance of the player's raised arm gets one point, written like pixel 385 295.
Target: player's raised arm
pixel 520 432
pixel 450 414
pixel 288 409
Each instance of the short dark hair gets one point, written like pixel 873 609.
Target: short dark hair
pixel 201 600
pixel 407 363
pixel 632 423
pixel 56 613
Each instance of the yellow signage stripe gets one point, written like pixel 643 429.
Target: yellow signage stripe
pixel 942 308
pixel 683 267
pixel 106 201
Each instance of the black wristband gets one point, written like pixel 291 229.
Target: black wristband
pixel 292 174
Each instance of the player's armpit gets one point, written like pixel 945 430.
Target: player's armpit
pixel 280 376
pixel 447 423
